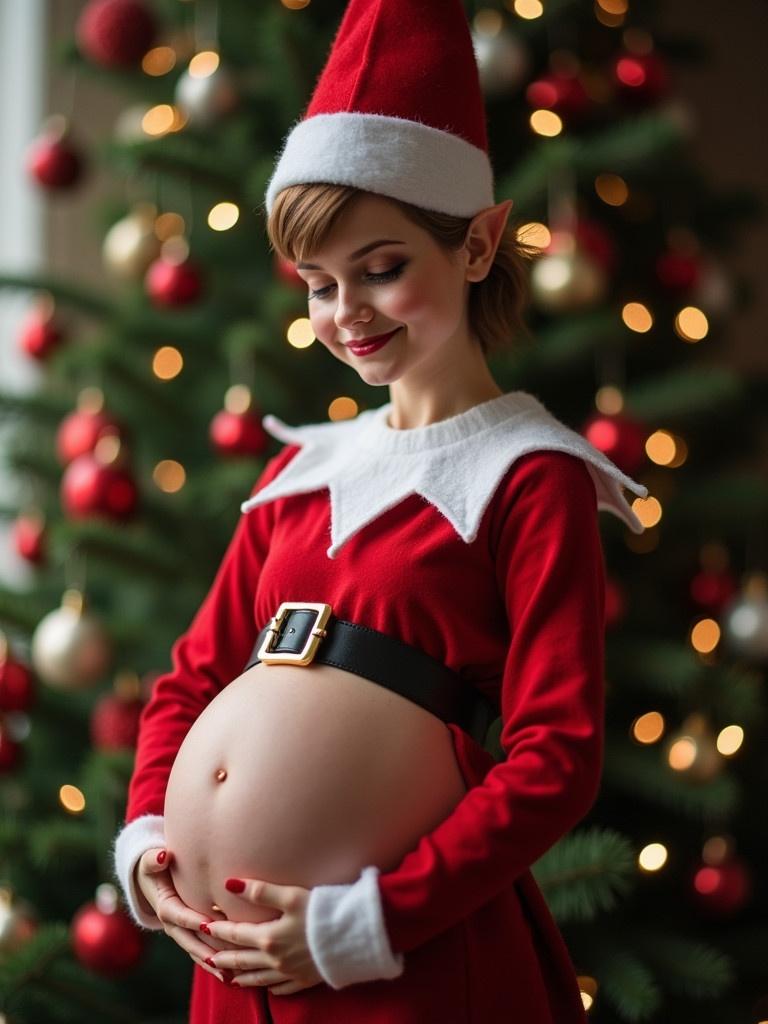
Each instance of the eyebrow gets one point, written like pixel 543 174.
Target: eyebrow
pixel 355 255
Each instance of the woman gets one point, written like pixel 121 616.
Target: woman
pixel 463 525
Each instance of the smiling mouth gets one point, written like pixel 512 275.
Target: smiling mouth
pixel 362 342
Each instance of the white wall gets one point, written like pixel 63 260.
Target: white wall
pixel 22 85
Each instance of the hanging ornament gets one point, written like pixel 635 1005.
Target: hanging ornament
pixel 641 79
pixel 502 59
pixel 79 431
pixel 693 751
pixel 561 91
pixel 286 271
pixel 104 937
pixel 52 159
pixel 615 603
pixel 713 291
pixel 618 436
pixel 678 271
pixel 565 278
pixel 17 690
pixel 173 279
pixel 115 33
pixel 71 649
pixel 236 429
pixel 41 332
pixel 29 536
pixel 115 718
pixel 722 883
pixel 18 922
pixel 100 483
pixel 131 244
pixel 11 752
pixel 745 620
pixel 206 91
pixel 595 241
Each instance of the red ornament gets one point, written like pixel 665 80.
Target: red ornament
pixel 52 160
pixel 40 332
pixel 236 429
pixel 80 430
pixel 711 591
pixel 106 940
pixel 722 889
pixel 115 33
pixel 170 283
pixel 615 603
pixel 286 271
pixel 678 271
pixel 30 538
pixel 17 690
pixel 560 91
pixel 619 437
pixel 95 484
pixel 641 78
pixel 115 722
pixel 11 753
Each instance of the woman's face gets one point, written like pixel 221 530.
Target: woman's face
pixel 409 285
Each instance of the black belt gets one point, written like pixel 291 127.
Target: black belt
pixel 302 632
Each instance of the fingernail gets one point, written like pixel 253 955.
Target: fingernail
pixel 161 857
pixel 234 984
pixel 227 976
pixel 204 928
pixel 234 885
pixel 210 962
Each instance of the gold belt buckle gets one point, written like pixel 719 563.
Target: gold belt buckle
pixel 316 634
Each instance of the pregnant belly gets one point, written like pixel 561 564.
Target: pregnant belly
pixel 303 776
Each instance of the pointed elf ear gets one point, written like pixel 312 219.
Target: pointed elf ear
pixel 483 237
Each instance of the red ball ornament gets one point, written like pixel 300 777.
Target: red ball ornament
pixel 17 688
pixel 236 429
pixel 597 241
pixel 615 603
pixel 104 937
pixel 40 332
pixel 99 483
pixel 115 718
pixel 52 159
pixel 30 538
pixel 286 272
pixel 115 33
pixel 711 591
pixel 641 78
pixel 11 753
pixel 678 271
pixel 80 430
pixel 169 283
pixel 722 889
pixel 560 91
pixel 619 437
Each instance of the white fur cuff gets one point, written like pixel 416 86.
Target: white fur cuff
pixel 132 841
pixel 346 933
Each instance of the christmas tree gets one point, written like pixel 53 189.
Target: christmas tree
pixel 145 436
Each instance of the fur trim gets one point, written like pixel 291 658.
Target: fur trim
pixel 131 842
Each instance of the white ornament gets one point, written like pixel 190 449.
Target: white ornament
pixel 70 648
pixel 131 244
pixel 502 61
pixel 745 620
pixel 203 99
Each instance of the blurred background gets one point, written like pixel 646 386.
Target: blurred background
pixel 145 328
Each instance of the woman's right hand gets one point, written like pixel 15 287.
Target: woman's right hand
pixel 180 922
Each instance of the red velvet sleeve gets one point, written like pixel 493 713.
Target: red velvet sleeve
pixel 209 654
pixel 550 571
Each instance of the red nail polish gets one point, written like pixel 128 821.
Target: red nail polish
pixel 234 984
pixel 161 857
pixel 209 962
pixel 234 885
pixel 204 928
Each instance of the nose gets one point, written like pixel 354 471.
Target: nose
pixel 351 308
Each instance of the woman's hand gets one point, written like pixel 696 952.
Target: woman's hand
pixel 274 953
pixel 179 921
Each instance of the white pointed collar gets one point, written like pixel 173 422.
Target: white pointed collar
pixel 456 464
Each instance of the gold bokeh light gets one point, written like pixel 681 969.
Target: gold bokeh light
pixel 652 857
pixel 72 799
pixel 343 408
pixel 691 324
pixel 705 636
pixel 204 64
pixel 223 216
pixel 546 122
pixel 158 61
pixel 169 476
pixel 167 363
pixel 300 333
pixel 637 317
pixel 648 728
pixel 730 739
pixel 528 9
pixel 612 189
pixel 535 234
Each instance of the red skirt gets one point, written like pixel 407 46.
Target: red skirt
pixel 507 962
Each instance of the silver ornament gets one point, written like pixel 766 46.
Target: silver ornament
pixel 203 99
pixel 745 620
pixel 567 281
pixel 70 648
pixel 502 60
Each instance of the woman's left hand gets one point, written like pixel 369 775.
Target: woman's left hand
pixel 272 950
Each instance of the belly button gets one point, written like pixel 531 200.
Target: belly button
pixel 221 774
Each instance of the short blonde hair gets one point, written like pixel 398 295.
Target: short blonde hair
pixel 303 215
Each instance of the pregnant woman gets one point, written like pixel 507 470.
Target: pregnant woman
pixel 313 816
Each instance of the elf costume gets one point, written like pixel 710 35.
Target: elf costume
pixel 474 539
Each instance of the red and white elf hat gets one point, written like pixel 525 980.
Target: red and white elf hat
pixel 397 110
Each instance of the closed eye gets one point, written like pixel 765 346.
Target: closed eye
pixel 382 278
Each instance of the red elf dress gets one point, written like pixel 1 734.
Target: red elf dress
pixel 475 539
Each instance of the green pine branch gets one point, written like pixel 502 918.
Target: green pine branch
pixel 64 292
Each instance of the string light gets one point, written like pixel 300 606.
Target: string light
pixel 158 61
pixel 300 333
pixel 637 317
pixel 546 122
pixel 168 225
pixel 652 857
pixel 691 324
pixel 528 9
pixel 665 449
pixel 295 5
pixel 609 399
pixel 169 476
pixel 534 234
pixel 162 119
pixel 647 510
pixel 705 636
pixel 167 363
pixel 612 189
pixel 203 64
pixel 648 728
pixel 343 408
pixel 729 740
pixel 72 799
pixel 223 216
